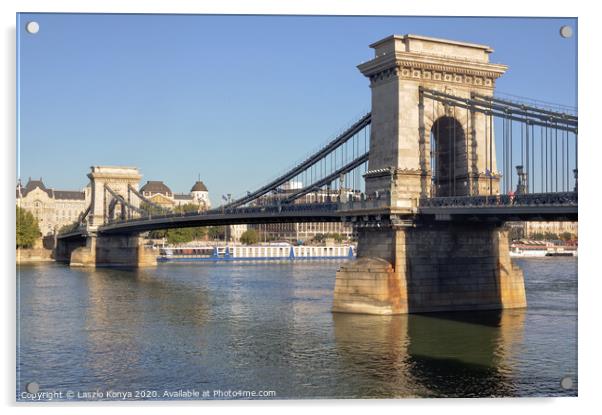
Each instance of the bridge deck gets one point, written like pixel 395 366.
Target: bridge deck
pixel 541 207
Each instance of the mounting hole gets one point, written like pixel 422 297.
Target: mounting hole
pixel 566 31
pixel 32 387
pixel 32 27
pixel 566 382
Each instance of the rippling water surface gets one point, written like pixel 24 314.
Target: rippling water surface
pixel 268 327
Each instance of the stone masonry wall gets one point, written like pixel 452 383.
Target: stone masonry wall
pixel 441 267
pixel 126 251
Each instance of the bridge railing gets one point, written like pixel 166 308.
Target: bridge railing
pixel 532 199
pixel 369 203
pixel 268 209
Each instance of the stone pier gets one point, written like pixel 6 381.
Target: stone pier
pixel 430 267
pixel 124 251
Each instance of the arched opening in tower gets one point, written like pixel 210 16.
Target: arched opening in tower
pixel 448 158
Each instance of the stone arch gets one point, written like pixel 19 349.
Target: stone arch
pixel 435 119
pixel 448 157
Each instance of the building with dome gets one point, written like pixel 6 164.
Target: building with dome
pixel 160 194
pixel 200 193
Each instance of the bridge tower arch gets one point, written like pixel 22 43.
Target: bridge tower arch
pixel 402 118
pixel 103 204
pixel 448 161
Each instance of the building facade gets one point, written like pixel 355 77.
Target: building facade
pixel 234 232
pixel 558 228
pixel 160 194
pixel 528 230
pixel 52 208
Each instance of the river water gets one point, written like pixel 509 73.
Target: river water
pixel 227 330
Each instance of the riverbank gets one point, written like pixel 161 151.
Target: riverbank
pixel 33 255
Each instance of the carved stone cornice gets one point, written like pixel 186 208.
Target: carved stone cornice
pixel 385 172
pixel 115 178
pixel 392 171
pixel 407 172
pixel 432 68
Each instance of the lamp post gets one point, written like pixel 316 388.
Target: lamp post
pixel 520 186
pixel 228 199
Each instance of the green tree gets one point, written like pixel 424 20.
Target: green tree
pixel 69 227
pixel 179 235
pixel 338 238
pixel 198 232
pixel 216 232
pixel 187 208
pixel 515 233
pixel 538 236
pixel 158 234
pixel 28 229
pixel 566 236
pixel 319 237
pixel 154 210
pixel 249 237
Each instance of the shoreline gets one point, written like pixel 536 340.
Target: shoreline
pixel 33 256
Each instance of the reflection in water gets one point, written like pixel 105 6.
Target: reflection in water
pixel 376 348
pixel 128 310
pixel 465 354
pixel 269 327
pixel 439 354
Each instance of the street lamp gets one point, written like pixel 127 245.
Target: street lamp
pixel 520 187
pixel 228 198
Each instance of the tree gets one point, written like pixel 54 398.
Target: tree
pixel 319 237
pixel 187 208
pixel 179 235
pixel 566 236
pixel 249 237
pixel 154 210
pixel 28 229
pixel 516 232
pixel 69 227
pixel 158 234
pixel 538 236
pixel 338 238
pixel 198 232
pixel 216 232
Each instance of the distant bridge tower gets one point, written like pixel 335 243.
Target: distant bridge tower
pixel 118 179
pixel 112 197
pixel 423 148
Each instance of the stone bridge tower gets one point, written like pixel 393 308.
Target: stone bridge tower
pixel 420 147
pixel 118 179
pixel 114 250
pixel 423 148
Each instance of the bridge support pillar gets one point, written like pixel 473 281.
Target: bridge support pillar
pixel 117 250
pixel 426 268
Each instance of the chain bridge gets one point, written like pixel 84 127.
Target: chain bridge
pixel 428 179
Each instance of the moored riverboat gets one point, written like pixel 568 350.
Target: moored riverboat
pixel 267 252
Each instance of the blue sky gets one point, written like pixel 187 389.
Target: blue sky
pixel 236 99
